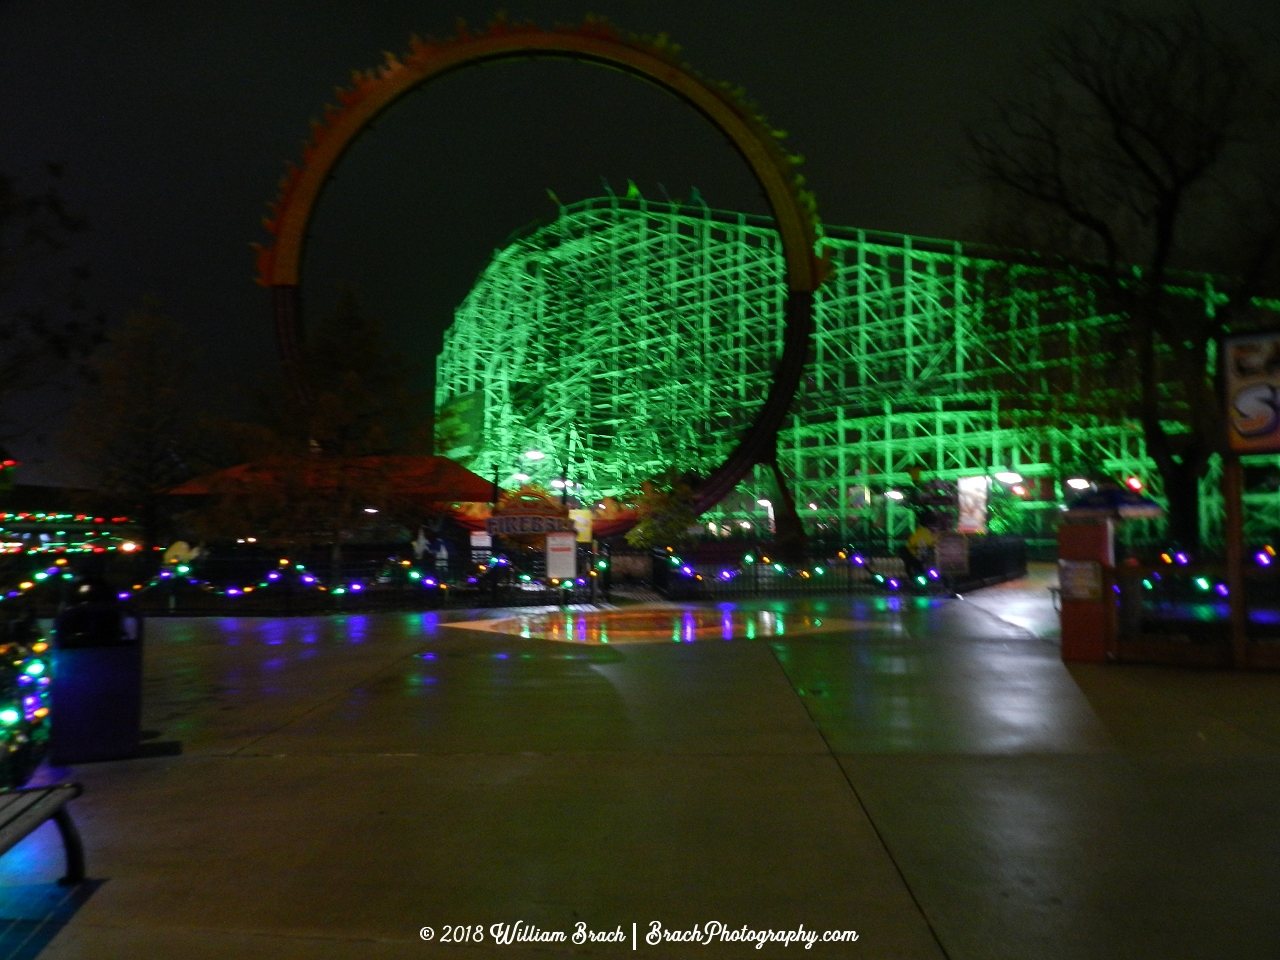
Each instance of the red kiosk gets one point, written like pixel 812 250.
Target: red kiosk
pixel 1087 574
pixel 1090 585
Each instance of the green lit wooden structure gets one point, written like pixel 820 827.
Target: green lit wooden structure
pixel 627 336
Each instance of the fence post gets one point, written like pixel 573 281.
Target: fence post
pixel 1233 486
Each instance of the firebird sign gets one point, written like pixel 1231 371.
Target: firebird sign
pixel 1253 392
pixel 506 526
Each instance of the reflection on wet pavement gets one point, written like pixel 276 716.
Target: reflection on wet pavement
pixel 1026 602
pixel 664 624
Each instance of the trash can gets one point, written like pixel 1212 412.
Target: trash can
pixel 97 679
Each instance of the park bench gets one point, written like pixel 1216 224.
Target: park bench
pixel 22 811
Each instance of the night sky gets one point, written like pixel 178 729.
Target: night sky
pixel 174 121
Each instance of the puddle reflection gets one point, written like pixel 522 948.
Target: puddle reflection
pixel 654 625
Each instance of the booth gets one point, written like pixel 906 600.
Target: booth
pixel 1086 575
pixel 1089 585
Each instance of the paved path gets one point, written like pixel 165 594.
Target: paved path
pixel 1026 603
pixel 923 772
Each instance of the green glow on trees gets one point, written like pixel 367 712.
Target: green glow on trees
pixel 628 337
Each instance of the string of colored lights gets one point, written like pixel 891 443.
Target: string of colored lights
pixel 63 533
pixel 1178 560
pixel 286 572
pixel 183 573
pixel 931 578
pixel 24 707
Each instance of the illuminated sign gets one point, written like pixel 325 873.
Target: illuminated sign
pixel 1253 392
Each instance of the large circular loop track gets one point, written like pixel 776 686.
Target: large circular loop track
pixel 593 42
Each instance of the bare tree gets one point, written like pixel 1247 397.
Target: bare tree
pixel 319 464
pixel 1144 147
pixel 46 326
pixel 134 427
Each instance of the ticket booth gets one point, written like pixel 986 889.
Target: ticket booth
pixel 1087 576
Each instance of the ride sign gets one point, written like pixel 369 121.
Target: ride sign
pixel 1253 392
pixel 514 524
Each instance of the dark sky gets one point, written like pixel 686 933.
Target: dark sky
pixel 174 121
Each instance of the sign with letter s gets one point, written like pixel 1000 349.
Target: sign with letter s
pixel 1253 392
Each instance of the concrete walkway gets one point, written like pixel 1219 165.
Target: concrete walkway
pixel 1027 602
pixel 923 772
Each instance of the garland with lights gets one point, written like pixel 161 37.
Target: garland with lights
pixel 286 574
pixel 25 678
pixel 929 580
pixel 1176 570
pixel 296 576
pixel 62 533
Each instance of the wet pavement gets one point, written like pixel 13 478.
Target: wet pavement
pixel 1027 603
pixel 926 772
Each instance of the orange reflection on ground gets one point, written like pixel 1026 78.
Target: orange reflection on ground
pixel 655 624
